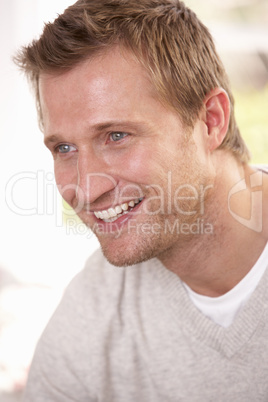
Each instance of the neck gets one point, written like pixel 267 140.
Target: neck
pixel 212 264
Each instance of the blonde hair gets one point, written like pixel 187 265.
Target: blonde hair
pixel 166 36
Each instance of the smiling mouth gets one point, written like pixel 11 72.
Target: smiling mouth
pixel 112 214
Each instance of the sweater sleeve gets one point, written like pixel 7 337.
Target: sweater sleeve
pixel 59 365
pixel 71 361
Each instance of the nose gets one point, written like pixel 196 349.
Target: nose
pixel 93 179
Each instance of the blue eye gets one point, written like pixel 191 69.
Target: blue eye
pixel 65 148
pixel 117 136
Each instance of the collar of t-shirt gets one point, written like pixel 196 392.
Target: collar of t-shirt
pixel 223 309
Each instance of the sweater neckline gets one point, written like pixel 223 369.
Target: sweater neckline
pixel 227 341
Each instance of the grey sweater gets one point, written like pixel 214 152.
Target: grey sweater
pixel 133 335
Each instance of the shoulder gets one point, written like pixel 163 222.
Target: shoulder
pixel 101 282
pixel 95 295
pixel 96 310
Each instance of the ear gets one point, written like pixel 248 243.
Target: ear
pixel 216 116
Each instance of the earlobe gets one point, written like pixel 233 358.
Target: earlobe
pixel 217 114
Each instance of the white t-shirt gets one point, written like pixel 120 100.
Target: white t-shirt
pixel 223 309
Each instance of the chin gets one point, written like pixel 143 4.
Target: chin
pixel 126 253
pixel 125 258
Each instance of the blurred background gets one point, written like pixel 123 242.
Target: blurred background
pixel 41 250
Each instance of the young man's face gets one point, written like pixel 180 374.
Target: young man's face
pixel 120 154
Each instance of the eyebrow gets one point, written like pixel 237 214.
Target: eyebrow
pixel 53 138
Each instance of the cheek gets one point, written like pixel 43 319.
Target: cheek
pixel 66 181
pixel 151 165
pixel 137 165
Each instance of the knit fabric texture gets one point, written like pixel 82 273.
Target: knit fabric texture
pixel 133 335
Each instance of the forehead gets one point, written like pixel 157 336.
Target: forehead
pixel 114 70
pixel 111 84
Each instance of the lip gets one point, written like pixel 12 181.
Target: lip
pixel 106 227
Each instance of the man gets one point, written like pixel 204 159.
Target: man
pixel 136 109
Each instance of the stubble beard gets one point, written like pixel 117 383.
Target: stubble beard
pixel 134 246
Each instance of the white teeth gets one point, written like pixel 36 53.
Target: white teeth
pixel 118 209
pixel 113 213
pixel 124 206
pixel 105 215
